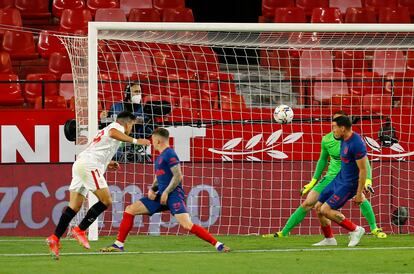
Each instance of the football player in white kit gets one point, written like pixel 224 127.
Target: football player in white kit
pixel 88 175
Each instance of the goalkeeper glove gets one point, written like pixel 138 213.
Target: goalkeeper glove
pixel 308 187
pixel 368 185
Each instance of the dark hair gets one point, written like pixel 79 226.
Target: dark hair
pixel 343 121
pixel 127 100
pixel 340 112
pixel 126 116
pixel 161 132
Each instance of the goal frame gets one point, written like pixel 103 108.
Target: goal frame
pixel 95 27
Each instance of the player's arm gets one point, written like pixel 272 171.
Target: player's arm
pixel 176 179
pixel 120 136
pixel 368 181
pixel 320 167
pixel 152 192
pixel 363 171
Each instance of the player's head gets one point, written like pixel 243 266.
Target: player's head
pixel 341 125
pixel 127 119
pixel 339 113
pixel 160 138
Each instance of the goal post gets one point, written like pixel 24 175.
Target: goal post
pixel 215 86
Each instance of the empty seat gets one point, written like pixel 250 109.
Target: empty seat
pixel 168 60
pixel 181 84
pixel 327 85
pixel 360 15
pixel 135 62
pixel 75 21
pixel 66 87
pixel 344 4
pixel 20 45
pixel 290 15
pixel 380 3
pixel 326 15
pixel 407 3
pixel 349 61
pixel 168 4
pixel 33 8
pixel 410 60
pixel 400 15
pixel 10 17
pixel 110 15
pixel 5 4
pixel 269 6
pixel 51 102
pixel 377 104
pixel 144 15
pixel 400 84
pixel 94 5
pixel 178 15
pixel 346 100
pixel 309 5
pixel 48 44
pixel 10 93
pixel 232 102
pixel 388 61
pixel 59 63
pixel 38 83
pixel 5 62
pixel 127 5
pixel 315 62
pixel 366 82
pixel 111 89
pixel 203 62
pixel 60 5
pixel 107 62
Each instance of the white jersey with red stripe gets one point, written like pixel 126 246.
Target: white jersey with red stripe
pixel 102 148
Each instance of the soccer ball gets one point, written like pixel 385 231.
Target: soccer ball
pixel 283 114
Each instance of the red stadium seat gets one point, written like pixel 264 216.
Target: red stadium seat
pixel 10 17
pixel 59 63
pixel 323 90
pixel 33 90
pixel 407 3
pixel 182 84
pixel 346 101
pixel 5 63
pixel 75 21
pixel 290 15
pixel 110 15
pixel 51 102
pixel 10 93
pixel 33 8
pixel 94 5
pixel 6 4
pixel 309 5
pixel 326 15
pixel 48 44
pixel 60 5
pixel 232 102
pixel 127 5
pixel 168 4
pixel 202 63
pixel 168 61
pixel 135 62
pixel 178 15
pixel 144 15
pixel 400 15
pixel 20 45
pixel 111 89
pixel 344 4
pixel 388 61
pixel 380 3
pixel 67 90
pixel 360 15
pixel 366 82
pixel 410 60
pixel 107 62
pixel 377 104
pixel 315 62
pixel 349 61
pixel 269 6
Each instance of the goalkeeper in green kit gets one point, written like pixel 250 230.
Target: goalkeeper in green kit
pixel 330 148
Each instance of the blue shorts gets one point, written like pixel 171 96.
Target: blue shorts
pixel 175 203
pixel 336 194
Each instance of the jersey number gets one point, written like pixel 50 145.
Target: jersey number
pixel 98 137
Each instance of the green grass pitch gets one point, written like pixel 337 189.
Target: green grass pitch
pixel 188 254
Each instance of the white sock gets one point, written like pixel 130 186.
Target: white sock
pixel 119 244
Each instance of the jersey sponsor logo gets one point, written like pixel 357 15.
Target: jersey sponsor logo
pixel 346 150
pixel 159 172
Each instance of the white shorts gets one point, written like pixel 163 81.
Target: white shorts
pixel 86 176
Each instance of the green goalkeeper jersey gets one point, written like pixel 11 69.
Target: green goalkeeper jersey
pixel 330 148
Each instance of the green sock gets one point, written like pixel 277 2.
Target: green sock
pixel 368 213
pixel 294 220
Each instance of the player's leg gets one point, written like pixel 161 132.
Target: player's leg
pixel 185 221
pixel 368 213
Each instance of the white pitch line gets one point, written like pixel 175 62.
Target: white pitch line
pixel 210 251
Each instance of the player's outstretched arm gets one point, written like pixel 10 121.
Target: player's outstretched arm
pixel 175 181
pixel 117 135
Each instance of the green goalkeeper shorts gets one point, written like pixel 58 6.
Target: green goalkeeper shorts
pixel 320 186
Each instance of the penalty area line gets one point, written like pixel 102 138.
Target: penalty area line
pixel 211 251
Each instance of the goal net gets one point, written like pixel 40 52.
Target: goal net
pixel 215 86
